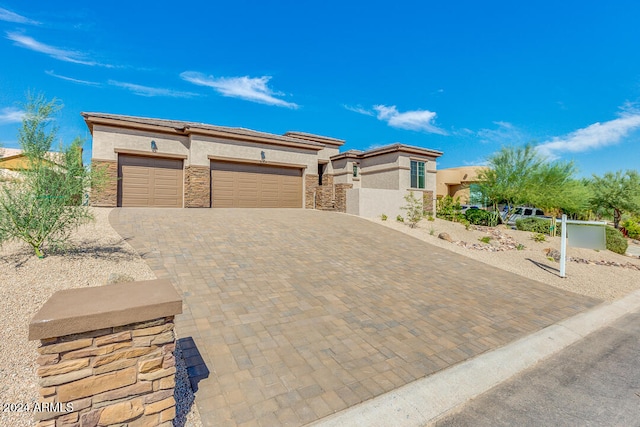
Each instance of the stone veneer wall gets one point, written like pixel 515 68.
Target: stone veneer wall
pixel 310 185
pixel 197 187
pixel 428 202
pixel 101 375
pixel 325 193
pixel 341 196
pixel 109 196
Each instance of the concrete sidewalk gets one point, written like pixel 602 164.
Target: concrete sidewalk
pixel 425 401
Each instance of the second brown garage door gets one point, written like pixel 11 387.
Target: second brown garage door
pixel 149 182
pixel 240 185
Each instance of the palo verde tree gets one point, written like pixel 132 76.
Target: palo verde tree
pixel 617 193
pixel 44 205
pixel 520 175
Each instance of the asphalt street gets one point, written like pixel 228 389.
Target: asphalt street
pixel 594 382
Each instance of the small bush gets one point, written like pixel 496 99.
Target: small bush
pixel 449 208
pixel 539 237
pixel 467 224
pixel 414 208
pixel 430 218
pixel 485 239
pixel 536 225
pixel 399 218
pixel 520 246
pixel 432 231
pixel 616 241
pixel 632 227
pixel 477 216
pixel 383 217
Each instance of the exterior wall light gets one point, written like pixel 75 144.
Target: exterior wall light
pixel 154 146
pixel 263 156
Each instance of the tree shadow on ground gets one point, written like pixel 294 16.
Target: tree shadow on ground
pixel 77 250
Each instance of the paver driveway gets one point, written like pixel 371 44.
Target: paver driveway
pixel 300 313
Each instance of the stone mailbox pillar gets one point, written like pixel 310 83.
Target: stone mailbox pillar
pixel 106 355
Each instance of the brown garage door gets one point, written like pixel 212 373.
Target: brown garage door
pixel 149 181
pixel 240 185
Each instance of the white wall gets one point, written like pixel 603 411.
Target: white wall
pixel 373 202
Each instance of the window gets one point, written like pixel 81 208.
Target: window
pixel 355 170
pixel 417 174
pixel 320 173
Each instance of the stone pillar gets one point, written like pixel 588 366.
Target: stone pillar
pixel 428 203
pixel 106 355
pixel 108 197
pixel 197 187
pixel 325 193
pixel 310 187
pixel 341 196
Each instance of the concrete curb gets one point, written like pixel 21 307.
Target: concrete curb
pixel 425 401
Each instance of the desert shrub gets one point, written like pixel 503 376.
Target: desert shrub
pixel 616 241
pixel 399 218
pixel 467 224
pixel 477 216
pixel 538 237
pixel 414 208
pixel 485 239
pixel 449 208
pixel 535 225
pixel 632 227
pixel 383 217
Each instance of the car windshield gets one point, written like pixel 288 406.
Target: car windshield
pixel 518 211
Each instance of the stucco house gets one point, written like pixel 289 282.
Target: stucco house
pixel 13 160
pixel 169 163
pixel 460 183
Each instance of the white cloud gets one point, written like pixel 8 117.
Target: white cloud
pixel 594 136
pixel 151 91
pixel 504 134
pixel 252 89
pixel 54 52
pixel 9 16
pixel 419 120
pixel 70 79
pixel 11 115
pixel 358 109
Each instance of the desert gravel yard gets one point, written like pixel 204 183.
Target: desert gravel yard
pixel 587 274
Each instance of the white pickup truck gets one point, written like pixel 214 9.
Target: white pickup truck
pixel 522 212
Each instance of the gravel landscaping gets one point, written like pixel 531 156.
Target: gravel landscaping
pixel 599 274
pixel 97 255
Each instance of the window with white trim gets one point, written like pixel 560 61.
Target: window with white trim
pixel 417 174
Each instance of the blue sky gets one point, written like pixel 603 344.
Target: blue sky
pixel 463 77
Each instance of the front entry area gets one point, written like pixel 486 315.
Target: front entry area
pixel 242 185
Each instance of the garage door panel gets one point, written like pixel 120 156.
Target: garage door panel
pixel 255 185
pixel 150 182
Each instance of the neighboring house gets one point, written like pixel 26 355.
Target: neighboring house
pixel 13 160
pixel 459 182
pixel 168 163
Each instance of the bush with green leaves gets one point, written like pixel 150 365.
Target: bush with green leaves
pixel 399 218
pixel 414 208
pixel 449 208
pixel 535 225
pixel 616 241
pixel 633 228
pixel 477 216
pixel 43 206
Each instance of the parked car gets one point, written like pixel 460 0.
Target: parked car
pixel 522 212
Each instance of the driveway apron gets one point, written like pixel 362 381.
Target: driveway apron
pixel 296 314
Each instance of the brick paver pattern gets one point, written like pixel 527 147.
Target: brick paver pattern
pixel 298 314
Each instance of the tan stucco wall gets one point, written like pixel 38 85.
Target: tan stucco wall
pixel 203 146
pixel 107 139
pixel 452 181
pixel 373 202
pixel 343 172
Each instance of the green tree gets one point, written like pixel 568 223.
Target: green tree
pixel 617 193
pixel 44 206
pixel 521 176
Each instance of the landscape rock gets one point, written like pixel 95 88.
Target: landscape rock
pixel 445 236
